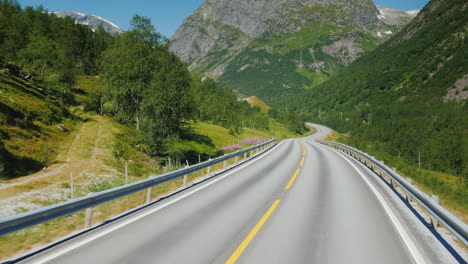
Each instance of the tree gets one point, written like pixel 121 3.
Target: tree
pixel 168 100
pixel 147 84
pixel 40 53
pixel 127 67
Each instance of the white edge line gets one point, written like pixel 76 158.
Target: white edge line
pixel 417 257
pixel 143 214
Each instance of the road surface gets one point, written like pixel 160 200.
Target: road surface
pixel 300 202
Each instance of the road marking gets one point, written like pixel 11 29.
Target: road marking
pixel 302 161
pixel 292 179
pixel 252 234
pixel 303 149
pixel 137 217
pixel 417 257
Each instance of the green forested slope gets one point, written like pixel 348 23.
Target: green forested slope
pixel 395 98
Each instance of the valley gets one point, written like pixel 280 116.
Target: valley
pixel 111 133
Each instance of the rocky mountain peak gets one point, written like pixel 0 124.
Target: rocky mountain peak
pixel 309 40
pixel 92 21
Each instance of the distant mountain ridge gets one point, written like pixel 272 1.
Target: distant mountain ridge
pixel 92 21
pixel 396 17
pixel 271 48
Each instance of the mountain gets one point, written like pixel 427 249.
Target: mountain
pixel 271 48
pixel 408 97
pixel 92 21
pixel 396 17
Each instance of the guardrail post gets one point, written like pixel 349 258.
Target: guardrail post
pixel 408 198
pixel 245 156
pixel 208 171
pixel 72 186
pixel 89 217
pixel 186 175
pixel 434 222
pixel 185 179
pixel 235 160
pixel 224 164
pixel 148 194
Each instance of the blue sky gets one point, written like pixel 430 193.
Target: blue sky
pixel 166 15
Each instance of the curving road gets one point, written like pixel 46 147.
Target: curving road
pixel 300 202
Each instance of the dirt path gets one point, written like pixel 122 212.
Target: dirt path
pixel 40 175
pixel 96 142
pixel 47 172
pixel 84 158
pixel 72 146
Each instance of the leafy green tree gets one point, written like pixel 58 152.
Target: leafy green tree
pixel 128 67
pixel 39 53
pixel 168 100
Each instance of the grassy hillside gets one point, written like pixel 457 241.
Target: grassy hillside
pixel 29 120
pixel 254 101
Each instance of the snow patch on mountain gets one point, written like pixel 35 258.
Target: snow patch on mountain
pixel 92 21
pixel 396 17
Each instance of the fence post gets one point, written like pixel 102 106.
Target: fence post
pixel 148 194
pixel 72 186
pixel 89 217
pixel 408 198
pixel 126 172
pixel 434 221
pixel 186 175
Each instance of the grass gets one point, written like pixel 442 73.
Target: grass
pixel 254 101
pixel 28 125
pixel 205 139
pixel 86 85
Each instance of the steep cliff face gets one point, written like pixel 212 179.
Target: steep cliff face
pixel 271 47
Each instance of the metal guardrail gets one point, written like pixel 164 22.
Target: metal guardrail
pixel 24 220
pixel 437 212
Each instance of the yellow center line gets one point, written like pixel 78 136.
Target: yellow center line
pixel 252 234
pixel 302 161
pixel 292 179
pixel 303 153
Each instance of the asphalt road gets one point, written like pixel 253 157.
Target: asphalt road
pixel 298 203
